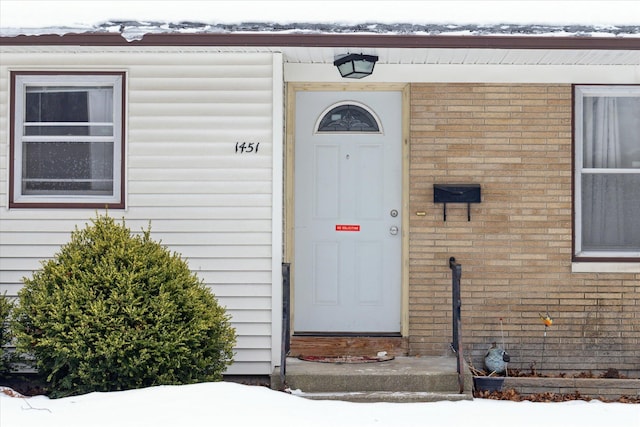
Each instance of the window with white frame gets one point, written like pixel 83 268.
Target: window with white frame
pixel 607 172
pixel 67 140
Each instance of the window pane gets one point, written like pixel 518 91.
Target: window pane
pixel 348 118
pixel 610 212
pixel 82 168
pixel 66 109
pixel 55 105
pixel 611 130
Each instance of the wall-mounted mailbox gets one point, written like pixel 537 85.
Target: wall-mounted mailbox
pixel 456 193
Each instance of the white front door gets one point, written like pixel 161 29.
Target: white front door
pixel 348 237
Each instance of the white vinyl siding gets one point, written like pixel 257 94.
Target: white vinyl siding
pixel 186 109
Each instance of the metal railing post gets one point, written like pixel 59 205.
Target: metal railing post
pixel 286 335
pixel 456 302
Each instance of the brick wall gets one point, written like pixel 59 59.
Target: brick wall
pixel 514 140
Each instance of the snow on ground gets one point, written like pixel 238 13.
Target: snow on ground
pixel 229 404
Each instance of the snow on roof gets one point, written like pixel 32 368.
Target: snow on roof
pixel 135 30
pixel 133 19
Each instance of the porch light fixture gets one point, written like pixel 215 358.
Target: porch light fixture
pixel 356 65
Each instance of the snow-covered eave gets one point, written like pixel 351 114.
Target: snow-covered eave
pixel 314 39
pixel 303 34
pixel 141 27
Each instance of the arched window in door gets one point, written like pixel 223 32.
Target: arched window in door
pixel 348 116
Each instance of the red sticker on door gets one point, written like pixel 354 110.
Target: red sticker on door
pixel 347 227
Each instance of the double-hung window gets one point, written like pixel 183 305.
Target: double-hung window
pixel 607 173
pixel 67 140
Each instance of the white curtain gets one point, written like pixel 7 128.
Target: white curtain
pixel 603 194
pixel 100 106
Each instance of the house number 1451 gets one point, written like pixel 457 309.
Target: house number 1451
pixel 247 147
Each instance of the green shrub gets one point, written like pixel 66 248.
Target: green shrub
pixel 115 311
pixel 6 358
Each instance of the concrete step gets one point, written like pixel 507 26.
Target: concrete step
pixel 403 379
pixel 371 380
pixel 385 396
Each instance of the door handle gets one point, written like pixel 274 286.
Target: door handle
pixel 393 230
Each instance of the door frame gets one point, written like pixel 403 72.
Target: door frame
pixel 289 179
